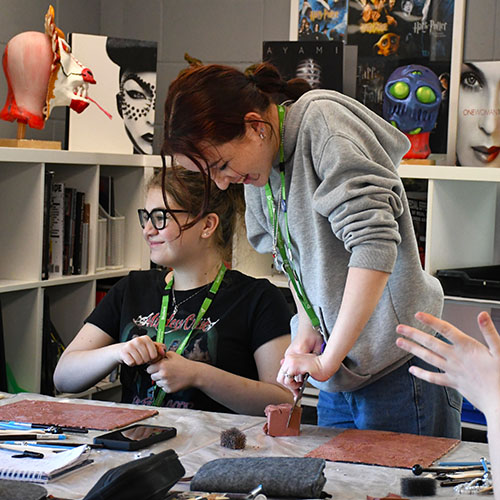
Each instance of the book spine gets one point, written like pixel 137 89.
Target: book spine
pixel 77 250
pixel 47 194
pixel 69 229
pixel 56 230
pixel 85 238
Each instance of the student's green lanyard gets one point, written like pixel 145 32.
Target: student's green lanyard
pixel 279 244
pixel 160 335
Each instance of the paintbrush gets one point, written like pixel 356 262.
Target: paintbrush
pixel 297 398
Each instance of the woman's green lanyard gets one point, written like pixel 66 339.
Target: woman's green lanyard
pixel 279 244
pixel 160 335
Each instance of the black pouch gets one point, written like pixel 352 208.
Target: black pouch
pixel 297 477
pixel 147 478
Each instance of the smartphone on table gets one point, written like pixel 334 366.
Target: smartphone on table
pixel 135 437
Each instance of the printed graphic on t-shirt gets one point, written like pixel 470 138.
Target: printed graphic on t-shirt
pixel 202 347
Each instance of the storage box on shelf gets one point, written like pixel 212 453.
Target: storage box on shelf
pixel 72 297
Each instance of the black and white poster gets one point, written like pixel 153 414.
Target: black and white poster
pixel 320 63
pixel 125 74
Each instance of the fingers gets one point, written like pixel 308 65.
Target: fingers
pixel 139 351
pixel 422 352
pixel 489 332
pixel 289 380
pixel 446 329
pixel 432 377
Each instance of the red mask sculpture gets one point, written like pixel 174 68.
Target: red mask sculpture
pixel 42 73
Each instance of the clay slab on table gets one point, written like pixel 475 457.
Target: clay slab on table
pixel 388 449
pixel 103 418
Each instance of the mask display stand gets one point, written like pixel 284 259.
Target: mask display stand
pixel 21 142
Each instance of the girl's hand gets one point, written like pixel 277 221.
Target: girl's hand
pixel 174 372
pixel 468 365
pixel 140 350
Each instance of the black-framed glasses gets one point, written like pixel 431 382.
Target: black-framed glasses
pixel 159 217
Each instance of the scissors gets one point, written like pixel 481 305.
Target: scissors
pixel 297 398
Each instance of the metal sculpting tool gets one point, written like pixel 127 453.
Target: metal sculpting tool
pixel 297 398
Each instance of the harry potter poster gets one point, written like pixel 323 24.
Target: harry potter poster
pixel 321 20
pixel 393 33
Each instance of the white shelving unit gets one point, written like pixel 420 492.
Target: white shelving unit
pixel 72 298
pixel 462 230
pixel 461 215
pixel 461 221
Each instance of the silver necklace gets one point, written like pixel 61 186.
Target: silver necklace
pixel 176 305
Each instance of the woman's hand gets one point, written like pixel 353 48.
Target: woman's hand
pixel 468 365
pixel 140 350
pixel 302 356
pixel 174 372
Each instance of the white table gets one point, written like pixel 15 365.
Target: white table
pixel 197 442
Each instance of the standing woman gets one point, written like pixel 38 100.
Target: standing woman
pixel 324 196
pixel 200 336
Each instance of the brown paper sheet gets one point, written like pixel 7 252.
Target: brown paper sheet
pixel 103 418
pixel 388 449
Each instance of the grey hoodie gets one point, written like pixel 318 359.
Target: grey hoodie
pixel 347 208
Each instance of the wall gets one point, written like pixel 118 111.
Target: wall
pixel 225 31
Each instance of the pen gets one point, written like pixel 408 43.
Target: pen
pixel 29 448
pixel 54 429
pixel 29 436
pixel 4 444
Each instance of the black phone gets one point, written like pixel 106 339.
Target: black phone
pixel 135 437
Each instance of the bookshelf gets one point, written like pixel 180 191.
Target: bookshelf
pixel 72 297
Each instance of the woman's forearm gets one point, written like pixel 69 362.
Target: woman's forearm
pixel 362 292
pixel 240 394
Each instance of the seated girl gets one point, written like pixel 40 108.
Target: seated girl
pixel 198 336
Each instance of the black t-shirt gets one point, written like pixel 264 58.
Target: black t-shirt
pixel 245 314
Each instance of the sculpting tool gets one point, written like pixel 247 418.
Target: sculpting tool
pixel 459 464
pixel 417 469
pixel 297 398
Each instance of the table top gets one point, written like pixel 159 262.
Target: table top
pixel 197 442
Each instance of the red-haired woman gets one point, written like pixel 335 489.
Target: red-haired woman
pixel 323 194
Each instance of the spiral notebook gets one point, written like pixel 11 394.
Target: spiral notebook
pixel 42 470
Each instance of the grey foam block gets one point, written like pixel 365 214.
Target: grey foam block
pixel 298 477
pixel 19 490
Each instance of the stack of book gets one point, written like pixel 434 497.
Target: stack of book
pixel 65 230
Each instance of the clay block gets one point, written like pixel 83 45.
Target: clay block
pixel 277 417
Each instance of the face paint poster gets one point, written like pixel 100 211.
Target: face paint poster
pixel 478 120
pixel 394 34
pixel 125 75
pixel 322 20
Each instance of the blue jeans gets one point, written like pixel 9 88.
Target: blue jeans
pixel 397 402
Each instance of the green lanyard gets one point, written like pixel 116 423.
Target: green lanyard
pixel 279 244
pixel 160 335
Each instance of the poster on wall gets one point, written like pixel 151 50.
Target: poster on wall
pixel 125 74
pixel 478 120
pixel 320 63
pixel 321 20
pixel 394 34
